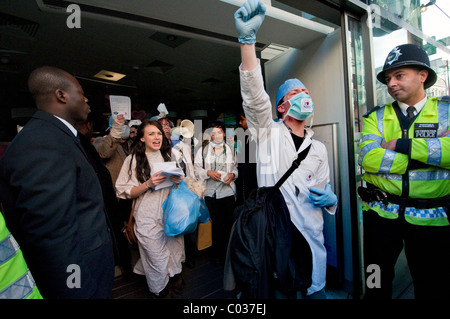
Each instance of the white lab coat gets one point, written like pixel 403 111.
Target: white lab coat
pixel 203 165
pixel 275 154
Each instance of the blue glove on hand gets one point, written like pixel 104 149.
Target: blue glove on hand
pixel 248 19
pixel 324 198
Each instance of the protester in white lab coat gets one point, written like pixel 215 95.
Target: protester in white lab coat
pixel 278 144
pixel 215 164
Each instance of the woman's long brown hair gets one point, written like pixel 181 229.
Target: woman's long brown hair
pixel 143 171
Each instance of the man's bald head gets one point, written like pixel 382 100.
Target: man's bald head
pixel 59 93
pixel 44 81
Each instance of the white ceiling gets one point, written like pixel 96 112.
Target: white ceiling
pixel 198 69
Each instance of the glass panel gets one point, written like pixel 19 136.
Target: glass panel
pixel 301 13
pixel 422 22
pixel 356 57
pixel 358 102
pixel 407 10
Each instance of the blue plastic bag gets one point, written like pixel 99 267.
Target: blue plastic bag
pixel 181 211
pixel 204 212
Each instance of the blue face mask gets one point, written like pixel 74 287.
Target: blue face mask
pixel 301 106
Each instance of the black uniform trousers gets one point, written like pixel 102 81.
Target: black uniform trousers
pixel 427 252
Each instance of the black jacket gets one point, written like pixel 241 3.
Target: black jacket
pixel 53 206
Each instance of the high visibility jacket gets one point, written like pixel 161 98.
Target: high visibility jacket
pixel 422 173
pixel 16 281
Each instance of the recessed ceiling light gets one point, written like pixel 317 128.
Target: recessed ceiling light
pixel 109 75
pixel 273 50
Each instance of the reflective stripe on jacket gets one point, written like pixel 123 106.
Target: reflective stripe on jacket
pixel 16 281
pixel 390 170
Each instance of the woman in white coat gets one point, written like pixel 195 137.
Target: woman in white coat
pixel 215 164
pixel 278 144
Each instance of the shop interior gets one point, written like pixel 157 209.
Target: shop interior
pixel 167 52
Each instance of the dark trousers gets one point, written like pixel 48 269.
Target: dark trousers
pixel 426 249
pixel 221 213
pixel 122 244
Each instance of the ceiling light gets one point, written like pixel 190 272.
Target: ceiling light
pixel 273 50
pixel 109 75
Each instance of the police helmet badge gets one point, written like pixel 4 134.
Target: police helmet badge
pixel 393 56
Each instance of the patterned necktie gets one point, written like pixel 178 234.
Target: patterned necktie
pixel 410 111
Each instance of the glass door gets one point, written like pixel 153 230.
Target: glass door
pixel 356 107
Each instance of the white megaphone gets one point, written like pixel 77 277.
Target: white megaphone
pixel 187 128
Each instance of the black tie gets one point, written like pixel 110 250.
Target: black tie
pixel 410 111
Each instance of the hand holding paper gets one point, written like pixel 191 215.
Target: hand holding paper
pixel 176 179
pixel 117 126
pixel 163 112
pixel 167 170
pixel 120 105
pixel 227 178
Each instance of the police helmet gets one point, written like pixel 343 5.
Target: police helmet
pixel 408 55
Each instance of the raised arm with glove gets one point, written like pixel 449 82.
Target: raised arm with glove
pixel 248 19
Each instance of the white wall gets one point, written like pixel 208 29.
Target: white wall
pixel 320 66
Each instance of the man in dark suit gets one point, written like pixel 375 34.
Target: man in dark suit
pixel 52 198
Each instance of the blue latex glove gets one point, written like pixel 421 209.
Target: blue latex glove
pixel 323 198
pixel 248 19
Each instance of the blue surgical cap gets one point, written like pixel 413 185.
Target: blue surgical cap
pixel 285 88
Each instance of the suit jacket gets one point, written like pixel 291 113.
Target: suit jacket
pixel 114 220
pixel 53 206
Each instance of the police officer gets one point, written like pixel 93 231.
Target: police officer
pixel 405 153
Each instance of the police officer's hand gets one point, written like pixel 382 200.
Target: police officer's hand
pixel 446 133
pixel 323 197
pixel 389 145
pixel 248 19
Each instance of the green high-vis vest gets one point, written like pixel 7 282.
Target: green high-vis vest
pixel 16 281
pixel 388 170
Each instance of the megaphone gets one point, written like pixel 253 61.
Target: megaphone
pixel 187 128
